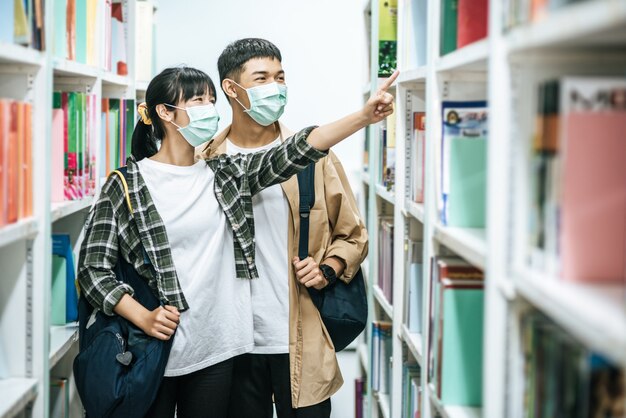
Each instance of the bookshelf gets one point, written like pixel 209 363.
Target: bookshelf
pixel 32 351
pixel 505 69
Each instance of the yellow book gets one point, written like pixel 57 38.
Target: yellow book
pixel 21 29
pixel 92 32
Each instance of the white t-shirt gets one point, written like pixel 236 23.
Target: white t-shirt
pixel 218 323
pixel 270 292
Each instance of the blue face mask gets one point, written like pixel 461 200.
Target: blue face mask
pixel 202 123
pixel 267 102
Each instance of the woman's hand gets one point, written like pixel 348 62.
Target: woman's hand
pixel 161 323
pixel 309 274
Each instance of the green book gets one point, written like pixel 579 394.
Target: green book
pixel 449 11
pixel 462 359
pixel 81 31
pixel 59 283
pixel 60 28
pixel 468 179
pixel 387 37
pixel 130 126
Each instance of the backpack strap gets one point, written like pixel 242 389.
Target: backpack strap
pixel 122 172
pixel 306 184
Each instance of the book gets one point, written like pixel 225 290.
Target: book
pixel 21 23
pixel 471 21
pixel 12 165
pixel 68 305
pixel 70 35
pixel 359 397
pixel 387 37
pixel 449 13
pixel 414 302
pixel 59 397
pixel 444 269
pixel 461 333
pixel 4 138
pixel 418 157
pixel 385 260
pixel 593 223
pixel 59 290
pixel 7 28
pixel 463 120
pixel 389 149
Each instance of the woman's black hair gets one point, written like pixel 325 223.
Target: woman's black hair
pixel 170 86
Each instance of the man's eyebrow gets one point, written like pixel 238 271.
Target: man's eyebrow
pixel 266 72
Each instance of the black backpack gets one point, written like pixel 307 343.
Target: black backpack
pixel 343 307
pixel 119 368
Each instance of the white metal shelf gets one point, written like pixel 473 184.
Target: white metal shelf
pixel 590 23
pixel 452 411
pixel 379 296
pixel 18 54
pixel 362 351
pixel 16 394
pixel 63 67
pixel 415 210
pixel 472 57
pixel 112 79
pixel 414 75
pixel 62 338
pixel 593 314
pixel 62 209
pixel 22 229
pixel 469 243
pixel 383 403
pixel 413 342
pixel 387 196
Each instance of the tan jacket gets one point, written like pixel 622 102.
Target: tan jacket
pixel 336 229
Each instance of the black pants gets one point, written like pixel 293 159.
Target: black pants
pixel 256 378
pixel 201 394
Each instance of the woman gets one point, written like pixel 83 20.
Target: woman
pixel 191 235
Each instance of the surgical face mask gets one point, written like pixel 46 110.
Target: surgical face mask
pixel 202 123
pixel 267 102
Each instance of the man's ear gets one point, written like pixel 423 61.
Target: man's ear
pixel 164 113
pixel 229 88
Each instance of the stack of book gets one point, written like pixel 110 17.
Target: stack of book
pixel 117 125
pixel 564 379
pixel 381 356
pixel 518 12
pixel 16 167
pixel 73 146
pixel 462 22
pixel 23 23
pixel 411 391
pixel 577 228
pixel 456 332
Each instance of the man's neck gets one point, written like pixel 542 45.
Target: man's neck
pixel 246 133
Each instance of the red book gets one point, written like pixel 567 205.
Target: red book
pixel 21 175
pixel 71 29
pixel 4 134
pixel 471 21
pixel 28 160
pixel 12 166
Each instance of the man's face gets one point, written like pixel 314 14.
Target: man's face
pixel 260 71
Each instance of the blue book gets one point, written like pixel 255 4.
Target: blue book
pixel 6 20
pixel 60 29
pixel 62 247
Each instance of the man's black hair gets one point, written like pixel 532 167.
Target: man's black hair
pixel 235 56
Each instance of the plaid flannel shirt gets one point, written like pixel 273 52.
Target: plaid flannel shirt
pixel 141 237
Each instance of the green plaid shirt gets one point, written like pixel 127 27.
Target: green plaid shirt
pixel 141 238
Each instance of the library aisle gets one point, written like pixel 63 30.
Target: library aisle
pixel 494 197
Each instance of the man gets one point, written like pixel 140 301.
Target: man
pixel 293 362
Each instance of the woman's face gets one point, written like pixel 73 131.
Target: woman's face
pixel 181 118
